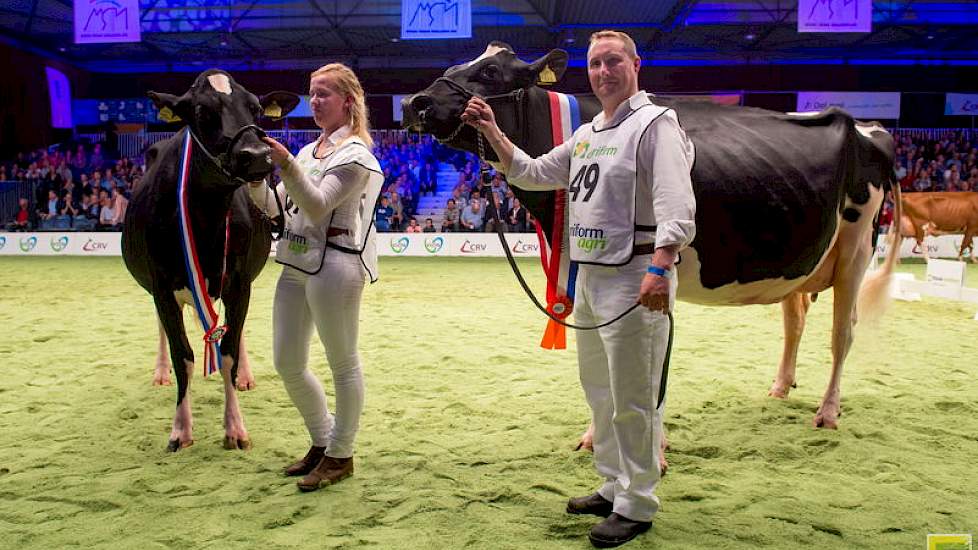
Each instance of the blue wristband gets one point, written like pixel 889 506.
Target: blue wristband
pixel 658 271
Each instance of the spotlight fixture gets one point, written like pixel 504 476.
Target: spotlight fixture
pixel 749 36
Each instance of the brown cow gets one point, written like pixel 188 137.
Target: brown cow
pixel 941 213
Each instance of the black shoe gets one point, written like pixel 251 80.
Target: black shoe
pixel 594 504
pixel 616 530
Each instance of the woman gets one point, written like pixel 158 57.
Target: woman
pixel 328 248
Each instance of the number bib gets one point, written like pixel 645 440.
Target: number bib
pixel 602 190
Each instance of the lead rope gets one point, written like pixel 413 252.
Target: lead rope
pixel 491 205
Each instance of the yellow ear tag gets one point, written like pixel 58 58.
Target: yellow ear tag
pixel 272 110
pixel 167 115
pixel 546 76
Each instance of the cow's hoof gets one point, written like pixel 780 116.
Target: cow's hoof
pixel 162 379
pixel 780 391
pixel 663 466
pixel 231 443
pixel 245 385
pixel 175 445
pixel 827 421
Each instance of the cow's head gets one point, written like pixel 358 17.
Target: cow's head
pixel 219 112
pixel 495 73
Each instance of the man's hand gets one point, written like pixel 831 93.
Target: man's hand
pixel 654 293
pixel 478 114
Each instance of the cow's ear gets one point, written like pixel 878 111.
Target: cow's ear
pixel 172 108
pixel 276 105
pixel 549 68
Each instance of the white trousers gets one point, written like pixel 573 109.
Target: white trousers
pixel 330 301
pixel 621 373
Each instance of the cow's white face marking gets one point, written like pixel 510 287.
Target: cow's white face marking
pixel 490 51
pixel 221 83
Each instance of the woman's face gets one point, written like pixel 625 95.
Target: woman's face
pixel 330 108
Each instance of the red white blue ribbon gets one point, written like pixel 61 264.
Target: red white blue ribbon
pixel 565 117
pixel 198 285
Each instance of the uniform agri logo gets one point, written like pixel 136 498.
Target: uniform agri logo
pixel 95 246
pixel 588 238
pixel 948 542
pixel 58 245
pixel 581 149
pixel 27 244
pixel 525 248
pixel 434 245
pixel 400 245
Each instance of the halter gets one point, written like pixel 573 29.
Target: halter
pixel 222 160
pixel 516 95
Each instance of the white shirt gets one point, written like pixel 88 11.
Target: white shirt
pixel 663 160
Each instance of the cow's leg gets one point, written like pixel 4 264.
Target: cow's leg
pixel 246 379
pixel 968 244
pixel 855 252
pixel 161 373
pixel 169 312
pixel 235 434
pixel 794 309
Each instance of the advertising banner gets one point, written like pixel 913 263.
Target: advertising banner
pixel 61 244
pixel 835 15
pixel 424 19
pixel 961 104
pixel 862 105
pixel 98 21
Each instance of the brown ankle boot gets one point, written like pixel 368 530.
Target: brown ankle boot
pixel 307 463
pixel 329 471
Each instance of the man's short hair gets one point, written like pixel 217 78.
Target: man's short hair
pixel 625 39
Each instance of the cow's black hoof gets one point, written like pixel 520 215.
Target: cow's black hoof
pixel 232 444
pixel 175 445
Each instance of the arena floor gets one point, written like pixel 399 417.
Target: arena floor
pixel 469 426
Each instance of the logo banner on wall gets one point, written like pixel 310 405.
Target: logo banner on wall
pixel 98 21
pixel 59 92
pixel 424 19
pixel 961 104
pixel 863 105
pixel 835 15
pixel 719 99
pixel 61 244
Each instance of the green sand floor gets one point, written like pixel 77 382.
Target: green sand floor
pixel 467 436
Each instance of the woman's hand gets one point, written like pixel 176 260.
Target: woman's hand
pixel 280 155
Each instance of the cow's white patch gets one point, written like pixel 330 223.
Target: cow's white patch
pixel 490 51
pixel 221 83
pixel 867 129
pixel 183 297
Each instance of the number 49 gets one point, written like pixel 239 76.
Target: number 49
pixel 586 177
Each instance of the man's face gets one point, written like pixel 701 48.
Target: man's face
pixel 613 74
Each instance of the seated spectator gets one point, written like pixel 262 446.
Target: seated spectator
pixel 398 207
pixel 383 215
pixel 413 226
pixel 449 220
pixel 106 218
pixel 489 221
pixel 516 218
pixel 22 219
pixel 97 161
pixel 428 179
pixel 49 210
pixel 429 226
pixel 471 219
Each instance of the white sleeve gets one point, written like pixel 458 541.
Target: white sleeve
pixel 340 183
pixel 673 203
pixel 265 201
pixel 544 173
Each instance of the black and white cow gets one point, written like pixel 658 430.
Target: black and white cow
pixel 786 205
pixel 221 114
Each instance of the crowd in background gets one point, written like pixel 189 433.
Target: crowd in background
pixel 947 163
pixel 85 188
pixel 79 189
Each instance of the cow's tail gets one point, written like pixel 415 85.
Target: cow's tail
pixel 874 296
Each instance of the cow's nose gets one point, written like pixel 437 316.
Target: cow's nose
pixel 254 159
pixel 420 102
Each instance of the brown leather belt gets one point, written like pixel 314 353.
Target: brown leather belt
pixel 643 249
pixel 334 231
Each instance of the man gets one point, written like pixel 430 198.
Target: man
pixel 21 221
pixel 631 209
pixel 383 215
pixel 472 217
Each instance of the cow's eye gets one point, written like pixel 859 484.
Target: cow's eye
pixel 490 72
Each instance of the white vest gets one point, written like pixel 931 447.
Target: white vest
pixel 303 244
pixel 602 194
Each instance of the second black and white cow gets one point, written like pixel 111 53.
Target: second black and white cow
pixel 786 205
pixel 227 151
